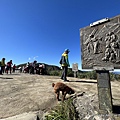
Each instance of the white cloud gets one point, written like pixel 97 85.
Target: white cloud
pixel 32 58
pixel 35 57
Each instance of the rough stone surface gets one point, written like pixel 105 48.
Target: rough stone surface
pixel 24 116
pixel 28 97
pixel 104 90
pixel 87 108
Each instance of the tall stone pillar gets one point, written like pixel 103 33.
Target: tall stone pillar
pixel 104 90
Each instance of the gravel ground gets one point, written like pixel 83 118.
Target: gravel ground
pixel 21 94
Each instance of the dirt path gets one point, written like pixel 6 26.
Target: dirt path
pixel 20 93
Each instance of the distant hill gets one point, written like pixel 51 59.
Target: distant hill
pixel 48 67
pixel 116 72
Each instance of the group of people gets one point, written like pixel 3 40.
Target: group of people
pixel 5 67
pixel 34 68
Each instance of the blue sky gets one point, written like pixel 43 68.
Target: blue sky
pixel 42 29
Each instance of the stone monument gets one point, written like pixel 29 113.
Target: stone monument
pixel 100 46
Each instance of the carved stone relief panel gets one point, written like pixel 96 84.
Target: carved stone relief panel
pixel 100 45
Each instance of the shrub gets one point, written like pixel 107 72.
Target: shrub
pixel 92 75
pixel 64 111
pixel 81 75
pixel 114 76
pixel 70 73
pixel 55 73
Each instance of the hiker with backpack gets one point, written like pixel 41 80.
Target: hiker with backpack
pixel 9 66
pixel 0 69
pixel 32 67
pixel 14 66
pixel 3 65
pixel 65 64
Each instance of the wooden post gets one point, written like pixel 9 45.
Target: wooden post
pixel 75 74
pixel 75 69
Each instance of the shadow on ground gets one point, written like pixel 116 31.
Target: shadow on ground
pixel 6 78
pixel 116 109
pixel 83 81
pixel 14 74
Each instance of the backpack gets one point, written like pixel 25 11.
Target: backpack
pixel 62 60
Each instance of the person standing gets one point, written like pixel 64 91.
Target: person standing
pixel 9 64
pixel 65 64
pixel 32 67
pixel 3 65
pixel 14 66
pixel 27 68
pixel 0 69
pixel 41 67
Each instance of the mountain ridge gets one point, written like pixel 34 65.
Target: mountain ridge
pixel 47 67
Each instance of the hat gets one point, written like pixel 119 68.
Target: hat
pixel 67 50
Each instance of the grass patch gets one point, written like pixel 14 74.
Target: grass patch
pixel 63 111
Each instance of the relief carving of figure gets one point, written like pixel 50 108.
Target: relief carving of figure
pixel 88 43
pixel 92 44
pixel 111 45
